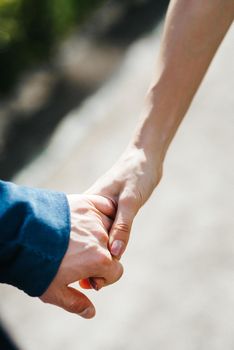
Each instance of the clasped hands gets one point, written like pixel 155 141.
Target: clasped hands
pixel 101 221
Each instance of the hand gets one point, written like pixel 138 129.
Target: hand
pixel 129 183
pixel 87 254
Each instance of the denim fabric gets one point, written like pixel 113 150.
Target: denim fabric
pixel 34 235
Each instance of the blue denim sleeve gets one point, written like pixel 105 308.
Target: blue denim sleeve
pixel 34 236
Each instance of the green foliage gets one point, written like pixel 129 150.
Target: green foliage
pixel 9 28
pixel 29 29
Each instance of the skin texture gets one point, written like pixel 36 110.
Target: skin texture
pixel 87 255
pixel 193 31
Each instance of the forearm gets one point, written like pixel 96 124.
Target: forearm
pixel 193 31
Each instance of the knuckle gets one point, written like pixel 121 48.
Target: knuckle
pixel 72 305
pixel 116 273
pixel 101 236
pixel 122 227
pixel 127 199
pixel 104 260
pixel 131 199
pixel 120 271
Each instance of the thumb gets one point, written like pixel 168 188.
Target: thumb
pixel 76 302
pixel 120 231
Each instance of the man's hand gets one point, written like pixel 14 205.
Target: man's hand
pixel 129 183
pixel 87 255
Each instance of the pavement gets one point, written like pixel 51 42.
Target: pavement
pixel 177 291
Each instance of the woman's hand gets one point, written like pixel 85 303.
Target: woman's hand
pixel 129 183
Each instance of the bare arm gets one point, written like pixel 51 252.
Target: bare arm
pixel 193 31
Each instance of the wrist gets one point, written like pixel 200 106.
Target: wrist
pixel 157 124
pixel 144 161
pixel 147 140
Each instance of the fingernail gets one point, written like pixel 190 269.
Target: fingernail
pixel 117 248
pixel 87 313
pixel 93 283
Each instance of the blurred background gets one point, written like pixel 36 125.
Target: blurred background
pixel 53 55
pixel 73 75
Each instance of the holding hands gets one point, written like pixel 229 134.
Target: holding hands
pixel 100 231
pixel 182 64
pixel 34 223
pixel 87 255
pixel 129 183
